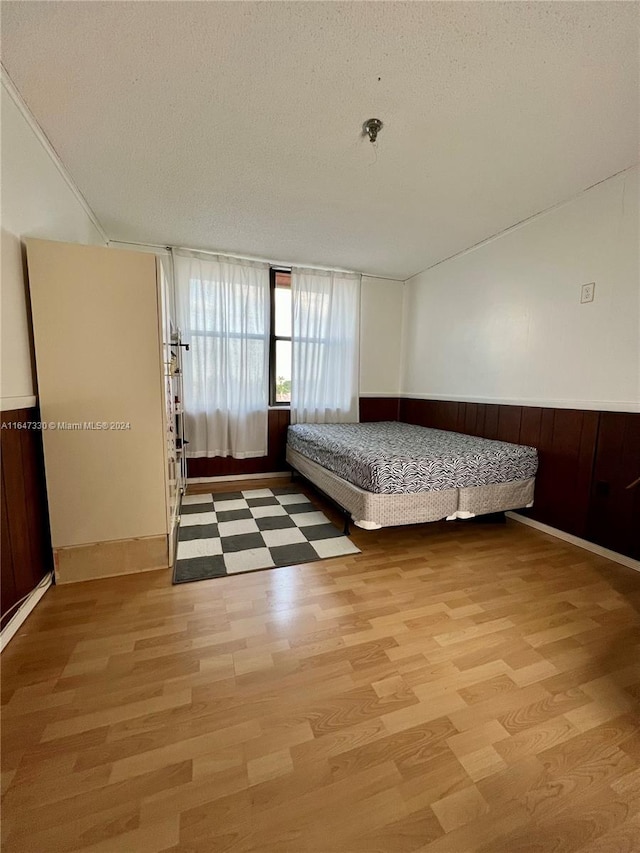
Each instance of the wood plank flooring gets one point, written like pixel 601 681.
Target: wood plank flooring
pixel 455 687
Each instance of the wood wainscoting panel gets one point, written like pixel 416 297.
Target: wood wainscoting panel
pixel 570 443
pixel 530 425
pixel 26 555
pixel 379 409
pixel 509 423
pixel 614 516
pixel 490 429
pixel 440 414
pixel 565 439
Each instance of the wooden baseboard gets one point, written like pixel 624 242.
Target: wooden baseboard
pixel 576 540
pixel 107 559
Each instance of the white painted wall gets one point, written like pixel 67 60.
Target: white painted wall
pixel 36 201
pixel 503 322
pixel 380 336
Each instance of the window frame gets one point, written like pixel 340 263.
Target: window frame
pixel 273 338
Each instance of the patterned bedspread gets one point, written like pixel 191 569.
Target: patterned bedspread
pixel 395 458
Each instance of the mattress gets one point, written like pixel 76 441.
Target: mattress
pixel 396 458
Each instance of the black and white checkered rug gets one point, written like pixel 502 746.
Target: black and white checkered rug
pixel 235 532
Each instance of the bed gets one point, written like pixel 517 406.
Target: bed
pixel 389 473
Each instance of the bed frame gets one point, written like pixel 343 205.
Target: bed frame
pixel 372 511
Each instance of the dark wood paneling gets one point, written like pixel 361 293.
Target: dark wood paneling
pixel 569 495
pixel 26 541
pixel 220 466
pixel 614 515
pixel 474 418
pixel 530 425
pixel 584 471
pixel 434 413
pixel 8 593
pixel 446 415
pixel 490 428
pixel 509 422
pixel 414 411
pixel 565 440
pixel 566 447
pixel 379 409
pixel 469 418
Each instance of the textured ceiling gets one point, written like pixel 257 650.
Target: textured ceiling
pixel 236 126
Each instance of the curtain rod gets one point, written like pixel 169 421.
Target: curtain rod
pixel 272 263
pixel 236 257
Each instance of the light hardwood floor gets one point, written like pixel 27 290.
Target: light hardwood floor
pixel 454 688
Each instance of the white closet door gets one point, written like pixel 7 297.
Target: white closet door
pixel 98 356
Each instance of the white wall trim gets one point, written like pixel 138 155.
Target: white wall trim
pixel 379 394
pixel 192 481
pixel 8 404
pixel 629 562
pixel 591 405
pixel 16 621
pixel 28 116
pixel 522 222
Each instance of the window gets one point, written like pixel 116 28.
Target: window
pixel 280 348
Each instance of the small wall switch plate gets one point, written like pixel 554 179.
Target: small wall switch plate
pixel 588 292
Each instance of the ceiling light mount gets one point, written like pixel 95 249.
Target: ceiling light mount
pixel 371 128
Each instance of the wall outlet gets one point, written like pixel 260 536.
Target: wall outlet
pixel 588 292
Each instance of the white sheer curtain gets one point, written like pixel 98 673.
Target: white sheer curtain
pixel 223 313
pixel 325 345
